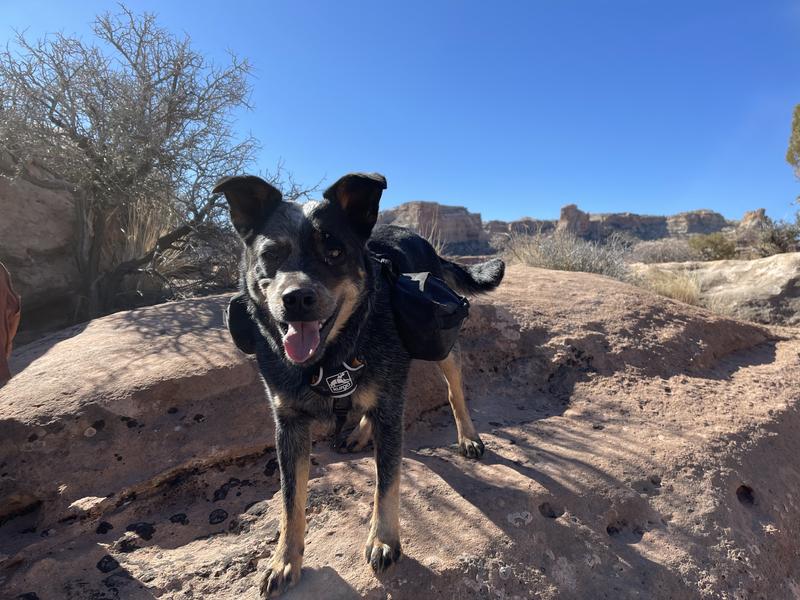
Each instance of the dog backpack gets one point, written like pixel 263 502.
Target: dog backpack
pixel 427 312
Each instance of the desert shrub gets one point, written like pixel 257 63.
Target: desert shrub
pixel 661 251
pixel 137 126
pixel 680 286
pixel 713 246
pixel 778 237
pixel 564 251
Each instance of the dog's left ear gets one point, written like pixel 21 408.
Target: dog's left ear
pixel 240 325
pixel 358 194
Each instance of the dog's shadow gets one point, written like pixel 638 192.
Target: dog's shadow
pixel 322 582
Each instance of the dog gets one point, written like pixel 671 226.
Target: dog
pixel 316 311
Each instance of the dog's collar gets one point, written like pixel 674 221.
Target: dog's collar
pixel 338 381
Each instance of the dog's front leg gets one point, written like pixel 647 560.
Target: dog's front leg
pixel 293 444
pixel 383 543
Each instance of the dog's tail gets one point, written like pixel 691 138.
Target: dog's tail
pixel 474 279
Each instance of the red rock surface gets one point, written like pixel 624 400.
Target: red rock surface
pixel 636 448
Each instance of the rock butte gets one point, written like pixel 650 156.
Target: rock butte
pixel 636 448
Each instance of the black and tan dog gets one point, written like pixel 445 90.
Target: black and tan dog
pixel 314 302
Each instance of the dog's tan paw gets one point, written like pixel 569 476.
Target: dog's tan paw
pixel 361 437
pixel 471 448
pixel 380 555
pixel 281 575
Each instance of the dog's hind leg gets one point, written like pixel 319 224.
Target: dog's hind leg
pixel 469 442
pixel 293 444
pixel 383 543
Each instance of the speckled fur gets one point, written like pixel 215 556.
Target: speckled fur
pixel 368 332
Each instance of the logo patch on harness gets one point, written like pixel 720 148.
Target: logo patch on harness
pixel 339 383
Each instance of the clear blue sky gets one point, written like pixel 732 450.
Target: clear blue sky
pixel 510 108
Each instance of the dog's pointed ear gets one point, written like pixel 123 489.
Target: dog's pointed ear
pixel 240 325
pixel 358 194
pixel 251 200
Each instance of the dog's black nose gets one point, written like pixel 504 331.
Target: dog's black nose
pixel 299 299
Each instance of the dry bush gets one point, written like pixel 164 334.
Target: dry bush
pixel 564 251
pixel 662 251
pixel 778 237
pixel 432 232
pixel 680 286
pixel 713 246
pixel 137 126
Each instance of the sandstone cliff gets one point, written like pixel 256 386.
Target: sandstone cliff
pixel 452 229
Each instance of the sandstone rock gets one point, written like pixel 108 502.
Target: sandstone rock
pixel 37 244
pixel 453 228
pixel 635 445
pixel 764 290
pixel 696 221
pixel 754 219
pixel 643 227
pixel 574 220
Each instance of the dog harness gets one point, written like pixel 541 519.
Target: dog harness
pixel 339 382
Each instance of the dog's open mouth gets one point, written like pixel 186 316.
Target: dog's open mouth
pixel 301 339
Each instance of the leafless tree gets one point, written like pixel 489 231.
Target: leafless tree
pixel 137 126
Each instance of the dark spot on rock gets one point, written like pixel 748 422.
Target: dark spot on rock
pixel 33 437
pixel 550 511
pixel 143 530
pixel 625 532
pixel 655 480
pixel 746 495
pixel 99 424
pixel 28 596
pixel 495 424
pixel 126 545
pixel 198 418
pixel 123 419
pixel 598 426
pixel 132 423
pixel 104 527
pixel 180 518
pixel 172 410
pixel 257 509
pixel 107 564
pixel 217 516
pixel 222 492
pixel 271 467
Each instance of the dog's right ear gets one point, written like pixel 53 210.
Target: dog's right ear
pixel 240 325
pixel 251 201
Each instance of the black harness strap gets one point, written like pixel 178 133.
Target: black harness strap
pixel 340 384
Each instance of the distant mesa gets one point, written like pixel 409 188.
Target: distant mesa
pixel 455 230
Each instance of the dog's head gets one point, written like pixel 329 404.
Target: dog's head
pixel 303 265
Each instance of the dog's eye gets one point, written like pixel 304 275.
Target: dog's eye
pixel 333 253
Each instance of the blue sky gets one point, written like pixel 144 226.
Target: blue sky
pixel 509 108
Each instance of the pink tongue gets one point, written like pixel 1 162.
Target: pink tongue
pixel 301 340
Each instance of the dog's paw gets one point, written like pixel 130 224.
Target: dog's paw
pixel 471 448
pixel 380 555
pixel 281 575
pixel 361 437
